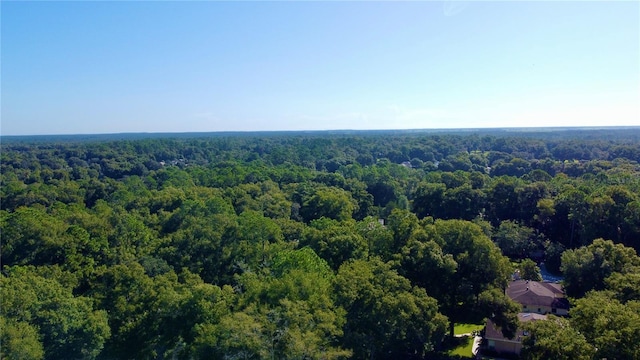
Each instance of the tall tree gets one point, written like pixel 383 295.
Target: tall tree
pixel 555 338
pixel 515 240
pixel 334 241
pixel 501 309
pixel 586 268
pixel 612 327
pixel 502 199
pixel 428 200
pixel 331 202
pixel 20 340
pixel 67 326
pixel 287 314
pixel 529 270
pixel 386 316
pixel 479 266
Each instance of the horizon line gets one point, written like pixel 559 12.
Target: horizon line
pixel 512 128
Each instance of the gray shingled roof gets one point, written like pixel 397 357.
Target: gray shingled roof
pixel 493 332
pixel 536 293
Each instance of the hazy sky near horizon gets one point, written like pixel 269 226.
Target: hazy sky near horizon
pixel 137 66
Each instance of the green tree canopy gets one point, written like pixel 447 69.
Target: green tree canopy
pixel 330 202
pixel 529 270
pixel 586 268
pixel 386 316
pixel 67 326
pixel 555 338
pixel 479 265
pixel 612 327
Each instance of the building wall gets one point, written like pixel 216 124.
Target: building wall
pixel 544 310
pixel 505 346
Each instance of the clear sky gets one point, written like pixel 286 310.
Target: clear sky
pixel 111 67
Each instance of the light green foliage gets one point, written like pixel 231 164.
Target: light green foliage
pixel 587 268
pixel 463 348
pixel 288 315
pixel 403 224
pixel 625 287
pixel 180 305
pixel 378 237
pixel 130 237
pixel 612 327
pixel 555 338
pixel 608 212
pixel 257 238
pixel 425 263
pixel 330 202
pixel 304 259
pixel 199 247
pixel 265 197
pixel 19 340
pixel 67 326
pixel 31 236
pixel 546 209
pixel 126 292
pixel 529 270
pixel 236 336
pixel 464 328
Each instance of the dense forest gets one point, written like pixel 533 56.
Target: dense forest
pixel 318 245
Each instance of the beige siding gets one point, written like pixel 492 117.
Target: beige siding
pixel 506 346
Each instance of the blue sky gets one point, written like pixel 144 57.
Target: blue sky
pixel 111 67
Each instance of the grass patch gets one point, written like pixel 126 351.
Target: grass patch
pixel 462 348
pixel 459 347
pixel 460 329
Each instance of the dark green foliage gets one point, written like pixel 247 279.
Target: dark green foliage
pixel 428 200
pixel 455 262
pixel 553 256
pixel 516 241
pixel 334 241
pixel 587 268
pixel 503 311
pixel 310 245
pixel 386 316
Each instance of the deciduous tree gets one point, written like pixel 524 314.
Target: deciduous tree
pixel 386 316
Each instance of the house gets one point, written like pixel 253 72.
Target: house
pixel 497 343
pixel 537 300
pixel 539 297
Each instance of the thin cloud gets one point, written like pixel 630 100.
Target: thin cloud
pixel 453 7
